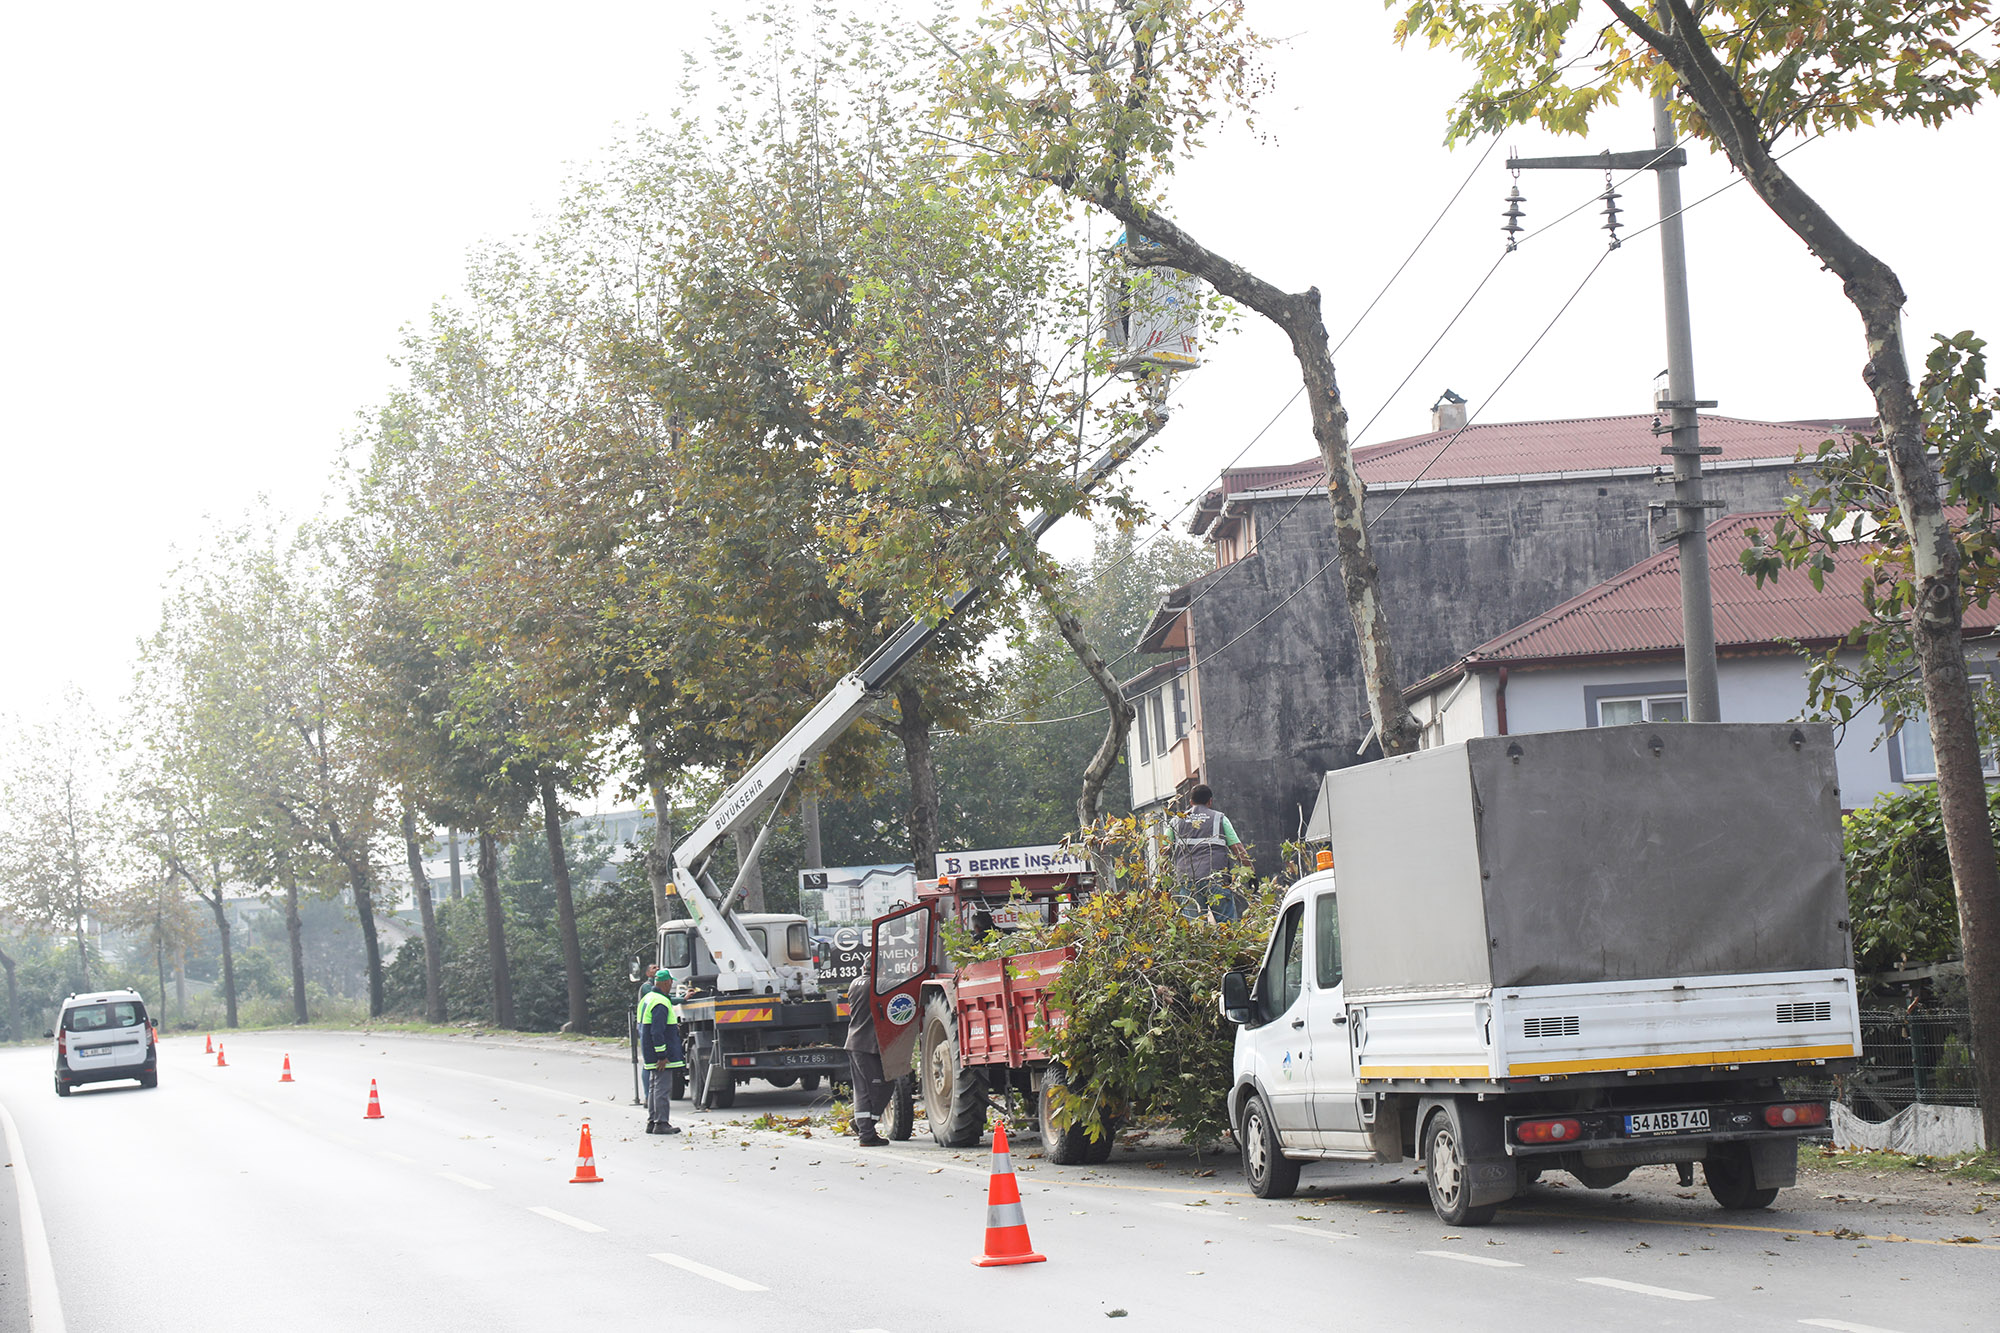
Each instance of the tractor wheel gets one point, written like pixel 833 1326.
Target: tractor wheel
pixel 809 1082
pixel 1067 1145
pixel 900 1121
pixel 954 1097
pixel 782 1080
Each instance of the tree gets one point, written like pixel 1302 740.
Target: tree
pixel 61 862
pixel 1099 100
pixel 1751 71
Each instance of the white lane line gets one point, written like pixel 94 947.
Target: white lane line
pixel 1665 1293
pixel 1324 1233
pixel 712 1274
pixel 398 1157
pixel 566 1219
pixel 44 1301
pixel 871 1330
pixel 1485 1262
pixel 1844 1326
pixel 1173 1207
pixel 466 1181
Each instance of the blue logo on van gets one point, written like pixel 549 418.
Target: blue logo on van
pixel 901 1009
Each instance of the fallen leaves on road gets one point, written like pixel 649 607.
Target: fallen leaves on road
pixel 1114 1314
pixel 1963 1240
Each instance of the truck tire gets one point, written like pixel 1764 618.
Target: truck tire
pixel 721 1087
pixel 900 1120
pixel 1068 1145
pixel 781 1080
pixel 1271 1174
pixel 697 1076
pixel 954 1096
pixel 1731 1180
pixel 677 1084
pixel 1445 1174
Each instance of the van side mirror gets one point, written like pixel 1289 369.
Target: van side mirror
pixel 49 1035
pixel 1235 999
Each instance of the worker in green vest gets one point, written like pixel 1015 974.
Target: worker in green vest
pixel 660 1052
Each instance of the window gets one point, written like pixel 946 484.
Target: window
pixel 1642 708
pixel 104 1017
pixel 900 947
pixel 1160 721
pixel 1140 724
pixel 1284 969
pixel 1326 944
pixel 677 950
pixel 1918 760
pixel 1180 707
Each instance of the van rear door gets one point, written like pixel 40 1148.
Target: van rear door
pixel 106 1035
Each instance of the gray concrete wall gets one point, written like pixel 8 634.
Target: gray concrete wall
pixel 1283 702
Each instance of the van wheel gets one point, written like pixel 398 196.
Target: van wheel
pixel 1445 1172
pixel 149 1080
pixel 1731 1180
pixel 62 1086
pixel 1271 1174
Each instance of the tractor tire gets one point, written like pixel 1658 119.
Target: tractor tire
pixel 1066 1145
pixel 782 1080
pixel 900 1120
pixel 809 1082
pixel 1099 1151
pixel 954 1096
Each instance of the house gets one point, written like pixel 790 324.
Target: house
pixel 1613 657
pixel 1257 687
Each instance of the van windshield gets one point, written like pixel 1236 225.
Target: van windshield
pixel 103 1017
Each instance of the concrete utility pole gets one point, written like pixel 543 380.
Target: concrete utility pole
pixel 1688 508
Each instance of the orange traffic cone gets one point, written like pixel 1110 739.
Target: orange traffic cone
pixel 220 1062
pixel 1006 1225
pixel 586 1161
pixel 210 1048
pixel 374 1111
pixel 286 1077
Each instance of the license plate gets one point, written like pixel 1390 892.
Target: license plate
pixel 1667 1122
pixel 797 1058
pixel 92 1050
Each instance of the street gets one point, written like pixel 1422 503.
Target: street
pixel 226 1199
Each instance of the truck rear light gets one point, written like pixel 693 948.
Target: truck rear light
pixel 742 1059
pixel 1548 1131
pixel 1793 1114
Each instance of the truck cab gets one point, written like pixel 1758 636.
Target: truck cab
pixel 781 939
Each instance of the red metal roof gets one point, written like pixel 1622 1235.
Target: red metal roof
pixel 1639 611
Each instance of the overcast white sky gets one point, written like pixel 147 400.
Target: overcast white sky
pixel 219 217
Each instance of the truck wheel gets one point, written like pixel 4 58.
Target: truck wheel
pixel 677 1084
pixel 1070 1144
pixel 1271 1174
pixel 1445 1173
pixel 697 1076
pixel 954 1097
pixel 782 1080
pixel 1731 1180
pixel 721 1087
pixel 901 1120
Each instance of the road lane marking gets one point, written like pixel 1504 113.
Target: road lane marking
pixel 398 1157
pixel 1324 1233
pixel 466 1181
pixel 1844 1326
pixel 566 1219
pixel 1509 1263
pixel 44 1300
pixel 1738 1226
pixel 1665 1293
pixel 712 1274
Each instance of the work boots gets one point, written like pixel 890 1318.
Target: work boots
pixel 864 1125
pixel 653 1128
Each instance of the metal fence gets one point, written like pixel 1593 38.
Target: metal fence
pixel 1920 1056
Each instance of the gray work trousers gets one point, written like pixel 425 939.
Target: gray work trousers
pixel 871 1090
pixel 659 1097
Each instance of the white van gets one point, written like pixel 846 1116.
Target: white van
pixel 102 1036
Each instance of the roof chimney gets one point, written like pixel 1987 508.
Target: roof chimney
pixel 1448 412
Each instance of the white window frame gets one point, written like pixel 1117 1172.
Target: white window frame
pixel 1645 702
pixel 1921 719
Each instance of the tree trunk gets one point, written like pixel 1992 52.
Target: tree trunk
pixel 809 827
pixel 496 930
pixel 457 888
pixel 753 892
pixel 295 940
pixel 1098 771
pixel 228 955
pixel 420 884
pixel 1298 314
pixel 14 998
pixel 913 726
pixel 180 984
pixel 572 948
pixel 1936 621
pixel 659 868
pixel 371 943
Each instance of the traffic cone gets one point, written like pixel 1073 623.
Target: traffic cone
pixel 220 1062
pixel 374 1111
pixel 210 1048
pixel 586 1161
pixel 286 1077
pixel 1006 1225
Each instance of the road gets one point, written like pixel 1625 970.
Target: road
pixel 226 1199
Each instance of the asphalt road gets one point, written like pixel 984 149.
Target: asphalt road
pixel 225 1199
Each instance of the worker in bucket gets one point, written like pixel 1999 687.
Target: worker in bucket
pixel 660 1051
pixel 1204 844
pixel 864 1059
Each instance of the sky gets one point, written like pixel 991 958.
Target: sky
pixel 220 216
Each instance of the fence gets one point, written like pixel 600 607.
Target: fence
pixel 1921 1056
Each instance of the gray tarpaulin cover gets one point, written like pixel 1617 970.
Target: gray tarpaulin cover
pixel 1607 854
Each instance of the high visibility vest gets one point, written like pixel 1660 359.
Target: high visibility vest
pixel 1200 849
pixel 648 1003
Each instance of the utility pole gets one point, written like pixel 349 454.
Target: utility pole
pixel 1688 509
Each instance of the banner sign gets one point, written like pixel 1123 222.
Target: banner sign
pixel 1012 861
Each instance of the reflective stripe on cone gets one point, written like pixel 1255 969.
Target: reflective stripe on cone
pixel 1006 1224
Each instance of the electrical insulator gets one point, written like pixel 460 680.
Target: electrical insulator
pixel 1611 197
pixel 1514 214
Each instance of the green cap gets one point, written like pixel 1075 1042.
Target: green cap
pixel 662 976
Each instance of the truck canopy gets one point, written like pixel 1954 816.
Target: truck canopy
pixel 1607 854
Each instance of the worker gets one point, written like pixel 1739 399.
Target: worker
pixel 1204 844
pixel 660 1052
pixel 864 1060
